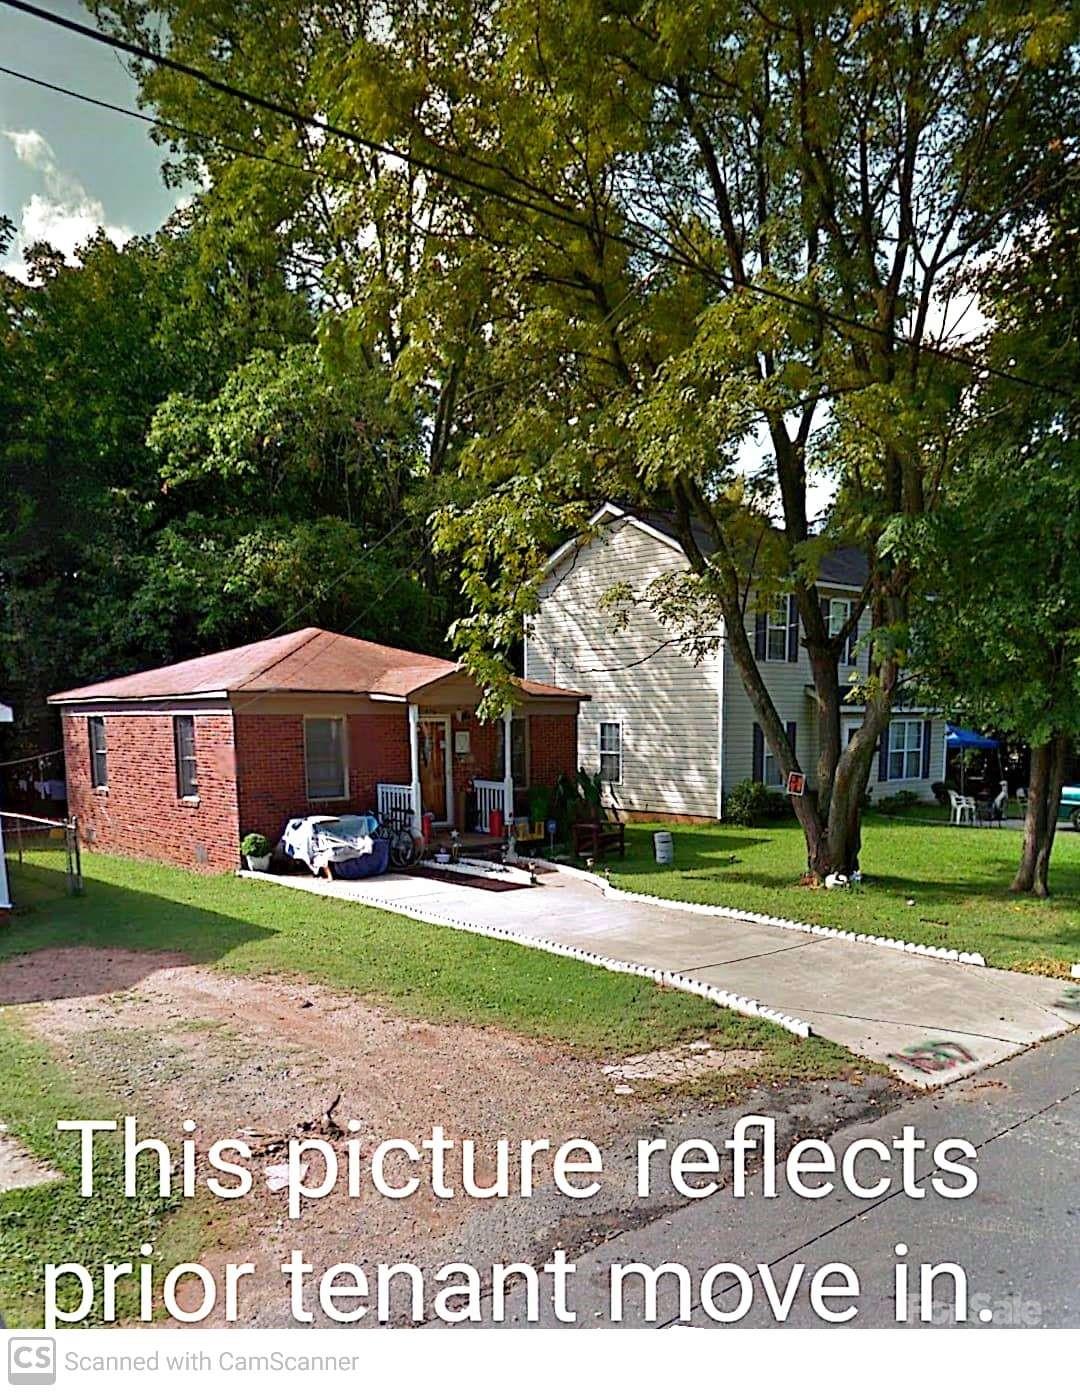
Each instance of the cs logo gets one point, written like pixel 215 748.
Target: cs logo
pixel 31 1359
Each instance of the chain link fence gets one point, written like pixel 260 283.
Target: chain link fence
pixel 41 854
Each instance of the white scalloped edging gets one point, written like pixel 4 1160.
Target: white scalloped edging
pixel 680 981
pixel 923 950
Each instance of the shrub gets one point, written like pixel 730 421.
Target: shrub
pixel 779 806
pixel 940 792
pixel 541 801
pixel 747 804
pixel 899 801
pixel 254 844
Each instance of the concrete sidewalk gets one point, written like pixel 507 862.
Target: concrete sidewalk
pixel 883 1004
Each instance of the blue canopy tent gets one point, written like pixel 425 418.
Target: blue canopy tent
pixel 959 738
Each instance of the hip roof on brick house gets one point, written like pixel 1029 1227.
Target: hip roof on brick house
pixel 308 660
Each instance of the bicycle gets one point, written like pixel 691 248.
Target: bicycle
pixel 404 849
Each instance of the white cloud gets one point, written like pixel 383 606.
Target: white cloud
pixel 64 215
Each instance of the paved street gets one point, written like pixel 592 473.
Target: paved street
pixel 881 1003
pixel 1017 1237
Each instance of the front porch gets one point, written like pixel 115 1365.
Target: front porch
pixel 467 775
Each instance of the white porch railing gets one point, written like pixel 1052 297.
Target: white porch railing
pixel 489 796
pixel 394 802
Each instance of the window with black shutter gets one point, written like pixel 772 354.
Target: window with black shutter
pixel 187 778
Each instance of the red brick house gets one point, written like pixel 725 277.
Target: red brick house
pixel 179 762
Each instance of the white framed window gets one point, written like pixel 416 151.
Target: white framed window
pixel 770 770
pixel 324 757
pixel 905 750
pixel 99 758
pixel 776 631
pixel 611 752
pixel 187 778
pixel 837 615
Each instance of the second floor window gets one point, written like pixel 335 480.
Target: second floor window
pixel 187 780
pixel 99 762
pixel 776 631
pixel 837 615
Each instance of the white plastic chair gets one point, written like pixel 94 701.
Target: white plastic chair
pixel 963 808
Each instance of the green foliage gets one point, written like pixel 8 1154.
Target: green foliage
pixel 541 803
pixel 577 798
pixel 748 804
pixel 254 844
pixel 185 470
pixel 899 802
pixel 54 1223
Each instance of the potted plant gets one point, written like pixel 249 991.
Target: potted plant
pixel 255 850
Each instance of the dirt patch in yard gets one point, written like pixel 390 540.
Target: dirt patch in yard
pixel 176 1041
pixel 682 1063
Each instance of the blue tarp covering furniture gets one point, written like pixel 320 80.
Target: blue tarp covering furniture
pixel 337 842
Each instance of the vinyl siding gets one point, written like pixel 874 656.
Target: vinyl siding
pixel 667 705
pixel 679 720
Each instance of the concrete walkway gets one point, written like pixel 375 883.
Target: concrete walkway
pixel 880 1003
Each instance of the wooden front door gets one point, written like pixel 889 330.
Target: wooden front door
pixel 434 766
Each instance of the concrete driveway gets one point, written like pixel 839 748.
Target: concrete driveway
pixel 929 1020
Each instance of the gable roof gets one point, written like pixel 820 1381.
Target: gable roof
pixel 308 660
pixel 844 566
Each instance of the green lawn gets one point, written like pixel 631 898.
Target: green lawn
pixel 242 926
pixel 958 878
pixel 420 970
pixel 54 1223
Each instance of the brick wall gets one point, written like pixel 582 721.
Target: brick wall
pixel 251 777
pixel 482 761
pixel 271 784
pixel 553 747
pixel 140 814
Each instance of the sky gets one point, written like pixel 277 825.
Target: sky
pixel 67 168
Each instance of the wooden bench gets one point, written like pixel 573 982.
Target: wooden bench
pixel 592 838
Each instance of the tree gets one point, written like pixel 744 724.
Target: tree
pixel 642 233
pixel 183 472
pixel 774 207
pixel 999 640
pixel 1000 633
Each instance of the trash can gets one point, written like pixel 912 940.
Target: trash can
pixel 663 848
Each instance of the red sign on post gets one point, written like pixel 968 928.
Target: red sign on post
pixel 796 784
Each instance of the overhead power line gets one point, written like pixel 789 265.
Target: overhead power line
pixel 188 131
pixel 551 208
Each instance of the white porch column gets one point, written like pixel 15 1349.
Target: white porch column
pixel 508 776
pixel 414 766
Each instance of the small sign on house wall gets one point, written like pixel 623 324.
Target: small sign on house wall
pixel 461 742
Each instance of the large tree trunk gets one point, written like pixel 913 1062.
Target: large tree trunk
pixel 831 814
pixel 1044 797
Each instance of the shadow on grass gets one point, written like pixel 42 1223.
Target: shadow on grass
pixel 105 916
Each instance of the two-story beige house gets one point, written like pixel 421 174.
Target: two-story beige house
pixel 670 734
